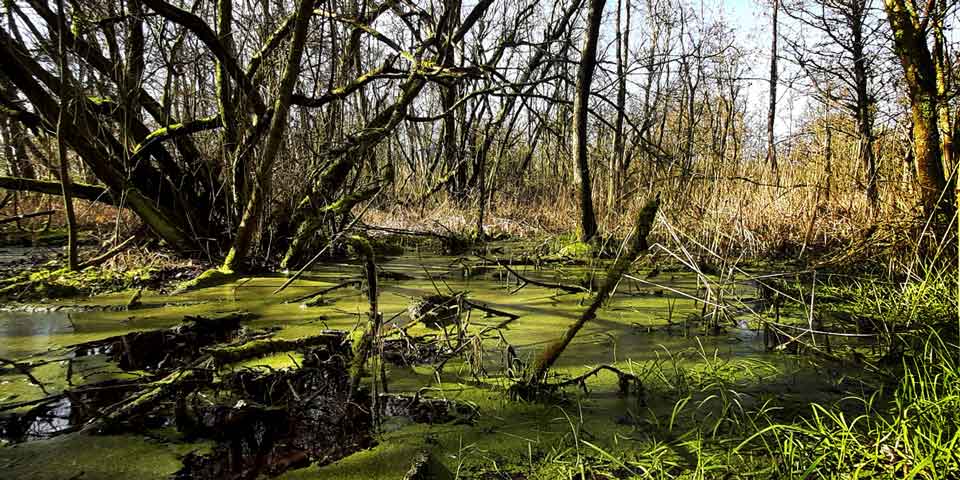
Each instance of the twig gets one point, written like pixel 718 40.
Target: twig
pixel 324 291
pixel 329 244
pixel 26 371
pixel 582 378
pixel 93 262
pixel 24 216
pixel 558 286
pixel 493 311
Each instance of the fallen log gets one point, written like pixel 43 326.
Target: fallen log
pixel 258 348
pixel 186 379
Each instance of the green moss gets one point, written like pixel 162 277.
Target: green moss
pixel 579 250
pixel 389 460
pixel 93 457
pixel 210 278
pixel 63 283
pixel 100 100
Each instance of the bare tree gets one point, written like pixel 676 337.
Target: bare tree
pixel 588 61
pixel 772 110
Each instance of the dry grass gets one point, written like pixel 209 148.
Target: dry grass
pixel 738 208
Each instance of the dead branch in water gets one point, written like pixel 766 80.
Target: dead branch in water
pixel 26 372
pixel 554 286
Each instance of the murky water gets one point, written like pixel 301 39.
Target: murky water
pixel 650 321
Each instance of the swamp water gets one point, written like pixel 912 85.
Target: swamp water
pixel 657 328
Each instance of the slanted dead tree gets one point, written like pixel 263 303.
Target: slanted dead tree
pixel 637 244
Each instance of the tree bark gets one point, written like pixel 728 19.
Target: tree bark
pixel 588 61
pixel 622 40
pixel 772 111
pixel 910 45
pixel 66 102
pixel 251 213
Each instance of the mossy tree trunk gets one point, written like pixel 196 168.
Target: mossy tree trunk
pixel 910 45
pixel 363 344
pixel 62 148
pixel 251 213
pixel 637 245
pixel 581 105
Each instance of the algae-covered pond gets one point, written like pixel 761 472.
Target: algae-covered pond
pixel 694 340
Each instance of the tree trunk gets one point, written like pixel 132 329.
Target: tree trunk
pixel 132 75
pixel 622 41
pixel 65 95
pixel 772 112
pixel 251 213
pixel 944 90
pixel 864 104
pixel 226 106
pixel 448 97
pixel 588 61
pixel 910 45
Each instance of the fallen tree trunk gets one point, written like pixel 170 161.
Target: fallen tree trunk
pixel 550 355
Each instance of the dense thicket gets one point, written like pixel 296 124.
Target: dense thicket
pixel 259 125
